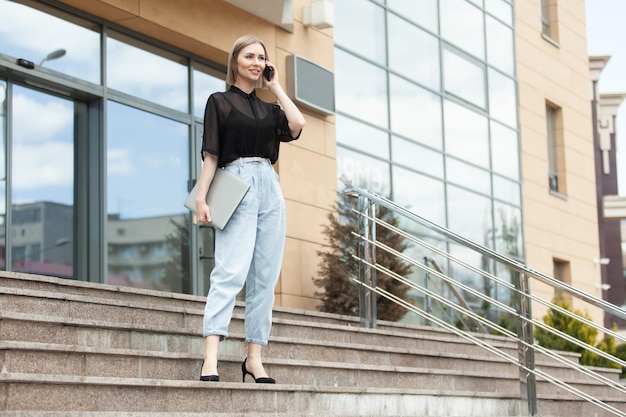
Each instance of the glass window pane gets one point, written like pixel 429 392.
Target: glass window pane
pixel 360 27
pixel 417 157
pixel 506 190
pixel 146 72
pixel 500 9
pixel 502 99
pixel 468 176
pixel 362 171
pixel 413 53
pixel 462 25
pixel 361 93
pixel 464 78
pixel 500 46
pixel 504 151
pixel 469 214
pixel 362 137
pixel 415 112
pixel 147 173
pixel 33 35
pixel 420 194
pixel 422 12
pixel 466 134
pixel 42 178
pixel 206 81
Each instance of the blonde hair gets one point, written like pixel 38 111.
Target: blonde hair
pixel 231 72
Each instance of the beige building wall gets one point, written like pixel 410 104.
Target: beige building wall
pixel 307 167
pixel 556 70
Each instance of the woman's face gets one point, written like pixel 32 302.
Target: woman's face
pixel 250 63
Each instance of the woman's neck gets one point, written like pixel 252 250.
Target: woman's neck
pixel 245 86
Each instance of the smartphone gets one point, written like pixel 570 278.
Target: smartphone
pixel 267 73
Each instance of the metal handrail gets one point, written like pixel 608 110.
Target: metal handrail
pixel 382 201
pixel 368 245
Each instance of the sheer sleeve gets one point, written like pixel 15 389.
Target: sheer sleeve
pixel 283 133
pixel 211 136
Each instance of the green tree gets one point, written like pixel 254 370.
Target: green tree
pixel 577 330
pixel 338 266
pixel 620 352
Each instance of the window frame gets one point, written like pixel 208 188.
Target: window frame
pixel 556 149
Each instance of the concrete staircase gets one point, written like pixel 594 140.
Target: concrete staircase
pixel 70 348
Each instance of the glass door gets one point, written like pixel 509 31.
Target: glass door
pixel 41 182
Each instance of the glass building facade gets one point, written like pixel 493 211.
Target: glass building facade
pixel 427 113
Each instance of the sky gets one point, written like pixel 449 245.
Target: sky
pixel 606 35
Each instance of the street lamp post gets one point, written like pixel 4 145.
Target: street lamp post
pixel 56 54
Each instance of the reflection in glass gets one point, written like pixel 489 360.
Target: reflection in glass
pixel 508 227
pixel 500 46
pixel 420 194
pixel 468 176
pixel 361 171
pixel 416 157
pixel 360 89
pixel 502 99
pixel 3 173
pixel 466 134
pixel 206 81
pixel 501 292
pixel 148 73
pixel 32 34
pixel 415 112
pixel 360 27
pixel 462 25
pixel 360 136
pixel 147 226
pixel 413 53
pixel 464 78
pixel 422 12
pixel 505 153
pixel 42 178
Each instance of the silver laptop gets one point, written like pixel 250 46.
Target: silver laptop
pixel 225 194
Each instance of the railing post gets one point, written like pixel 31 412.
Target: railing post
pixel 526 353
pixel 426 297
pixel 372 271
pixel 367 274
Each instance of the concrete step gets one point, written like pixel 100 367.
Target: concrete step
pixel 123 296
pixel 27 392
pixel 52 396
pixel 41 358
pixel 297 325
pixel 88 300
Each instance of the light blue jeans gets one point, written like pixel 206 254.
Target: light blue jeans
pixel 248 251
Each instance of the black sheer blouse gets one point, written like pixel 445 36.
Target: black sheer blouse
pixel 237 125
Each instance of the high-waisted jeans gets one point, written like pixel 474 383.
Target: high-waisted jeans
pixel 248 251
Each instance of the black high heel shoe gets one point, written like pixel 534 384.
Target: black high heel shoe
pixel 262 380
pixel 209 378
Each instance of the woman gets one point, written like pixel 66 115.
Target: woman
pixel 242 135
